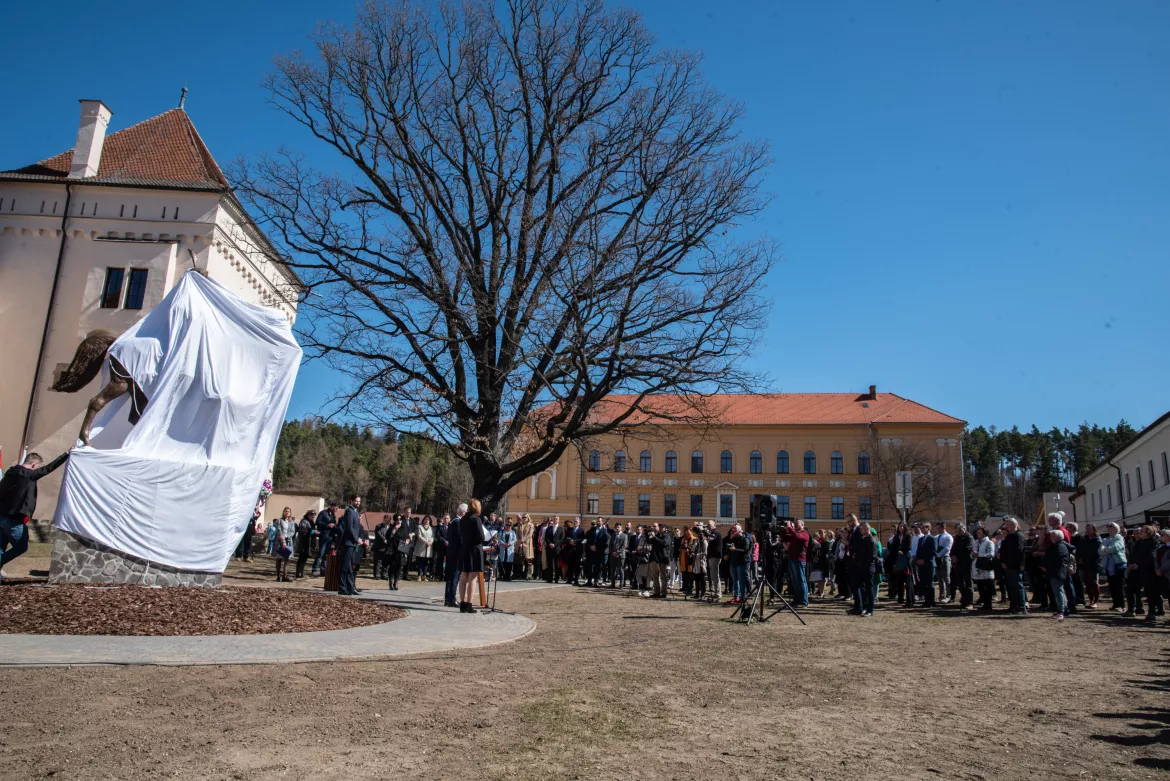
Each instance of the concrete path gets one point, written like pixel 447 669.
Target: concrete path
pixel 428 627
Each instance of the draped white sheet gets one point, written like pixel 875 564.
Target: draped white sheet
pixel 179 487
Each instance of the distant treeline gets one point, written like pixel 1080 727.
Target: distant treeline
pixel 391 471
pixel 1009 471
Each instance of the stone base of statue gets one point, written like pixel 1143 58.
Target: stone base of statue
pixel 78 560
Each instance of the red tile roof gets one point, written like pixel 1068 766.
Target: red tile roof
pixel 163 150
pixel 776 409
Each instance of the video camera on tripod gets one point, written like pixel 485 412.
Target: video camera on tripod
pixel 763 521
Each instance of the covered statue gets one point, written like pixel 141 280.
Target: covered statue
pixel 182 436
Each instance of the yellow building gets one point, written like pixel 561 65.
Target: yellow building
pixel 823 455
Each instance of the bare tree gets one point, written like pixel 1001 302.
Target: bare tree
pixel 536 208
pixel 936 484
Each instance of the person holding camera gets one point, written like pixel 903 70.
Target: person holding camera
pixel 795 539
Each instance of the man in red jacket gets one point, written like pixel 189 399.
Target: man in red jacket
pixel 18 501
pixel 795 539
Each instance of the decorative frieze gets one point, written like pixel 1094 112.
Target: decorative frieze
pixel 864 483
pixel 783 483
pixel 836 483
pixel 696 483
pixel 593 481
pixel 809 483
pixel 670 481
pixel 755 483
pixel 619 481
pixel 645 481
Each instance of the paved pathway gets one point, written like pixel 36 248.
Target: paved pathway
pixel 427 628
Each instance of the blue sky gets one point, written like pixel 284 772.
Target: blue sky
pixel 973 199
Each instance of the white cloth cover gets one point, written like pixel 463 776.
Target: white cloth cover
pixel 179 487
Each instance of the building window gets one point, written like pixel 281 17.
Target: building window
pixel 136 290
pixel 697 461
pixel 643 504
pixel 1128 489
pixel 644 461
pixel 670 505
pixel 696 505
pixel 863 463
pixel 112 290
pixel 594 461
pixel 1119 491
pixel 619 504
pixel 782 462
pixel 810 462
pixel 1138 474
pixel 782 507
pixel 592 504
pixel 838 508
pixel 619 461
pixel 865 509
pixel 756 462
pixel 671 461
pixel 1150 464
pixel 726 506
pixel 1093 501
pixel 725 462
pixel 1100 500
pixel 810 507
pixel 1109 495
pixel 837 463
pixel 1165 470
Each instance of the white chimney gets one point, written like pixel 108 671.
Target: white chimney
pixel 91 136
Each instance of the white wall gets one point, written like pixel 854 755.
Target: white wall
pixel 1152 448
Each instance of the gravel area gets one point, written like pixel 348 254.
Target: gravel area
pixel 135 610
pixel 613 687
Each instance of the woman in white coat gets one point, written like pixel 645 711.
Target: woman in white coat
pixel 984 576
pixel 422 546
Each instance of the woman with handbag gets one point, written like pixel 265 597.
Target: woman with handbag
pixel 424 538
pixel 283 539
pixel 984 568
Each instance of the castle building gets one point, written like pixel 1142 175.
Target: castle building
pixel 823 455
pixel 93 238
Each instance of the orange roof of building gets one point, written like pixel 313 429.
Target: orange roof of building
pixel 773 409
pixel 165 150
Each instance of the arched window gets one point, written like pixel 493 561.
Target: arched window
pixel 725 462
pixel 619 461
pixel 757 462
pixel 863 463
pixel 644 462
pixel 810 462
pixel 671 461
pixel 782 462
pixel 837 463
pixel 697 461
pixel 594 461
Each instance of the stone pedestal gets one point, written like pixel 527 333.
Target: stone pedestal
pixel 78 560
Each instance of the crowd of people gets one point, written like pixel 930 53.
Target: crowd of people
pixel 921 564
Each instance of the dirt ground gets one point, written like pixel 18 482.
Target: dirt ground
pixel 611 687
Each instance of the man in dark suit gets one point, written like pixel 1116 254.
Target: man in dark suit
pixel 554 537
pixel 924 558
pixel 574 543
pixel 867 566
pixel 439 548
pixel 349 537
pixel 326 524
pixel 596 546
pixel 454 550
pixel 853 548
pixel 18 501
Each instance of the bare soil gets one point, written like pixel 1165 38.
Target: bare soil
pixel 74 609
pixel 615 687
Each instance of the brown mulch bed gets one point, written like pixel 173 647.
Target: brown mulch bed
pixel 135 610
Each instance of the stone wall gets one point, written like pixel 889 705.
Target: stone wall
pixel 78 560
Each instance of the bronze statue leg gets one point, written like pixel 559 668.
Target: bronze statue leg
pixel 114 388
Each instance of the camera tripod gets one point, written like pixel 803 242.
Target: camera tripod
pixel 756 607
